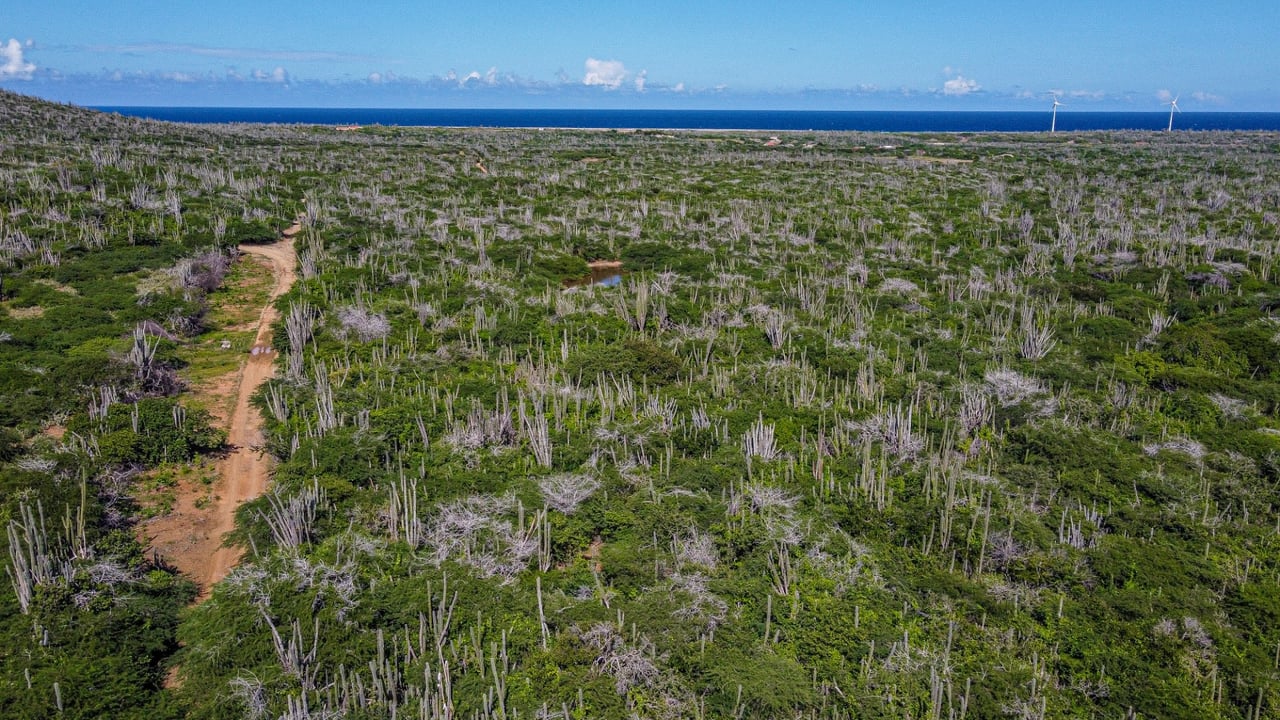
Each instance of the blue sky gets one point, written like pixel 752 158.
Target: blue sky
pixel 973 55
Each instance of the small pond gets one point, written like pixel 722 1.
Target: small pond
pixel 606 276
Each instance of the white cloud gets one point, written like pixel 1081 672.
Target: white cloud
pixel 1164 96
pixel 491 77
pixel 375 78
pixel 278 75
pixel 679 87
pixel 1205 97
pixel 607 73
pixel 12 64
pixel 960 85
pixel 640 80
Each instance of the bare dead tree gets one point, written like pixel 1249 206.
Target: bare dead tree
pixel 363 323
pixel 631 665
pixel 565 491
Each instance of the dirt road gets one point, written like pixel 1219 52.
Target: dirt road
pixel 191 536
pixel 246 471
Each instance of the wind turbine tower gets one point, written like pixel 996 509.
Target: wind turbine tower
pixel 1173 105
pixel 1053 124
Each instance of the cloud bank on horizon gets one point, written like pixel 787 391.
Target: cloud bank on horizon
pixel 748 54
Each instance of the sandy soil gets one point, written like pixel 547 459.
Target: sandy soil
pixel 26 313
pixel 246 471
pixel 191 536
pixel 594 552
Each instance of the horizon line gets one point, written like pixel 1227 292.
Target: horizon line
pixel 658 109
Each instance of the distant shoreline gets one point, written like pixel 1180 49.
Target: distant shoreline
pixel 714 120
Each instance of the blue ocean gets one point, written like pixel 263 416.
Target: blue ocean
pixel 866 121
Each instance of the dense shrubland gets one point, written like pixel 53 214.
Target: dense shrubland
pixel 108 254
pixel 974 425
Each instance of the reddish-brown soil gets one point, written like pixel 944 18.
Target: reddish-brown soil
pixel 191 536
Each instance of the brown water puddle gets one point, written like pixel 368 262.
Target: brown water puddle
pixel 601 272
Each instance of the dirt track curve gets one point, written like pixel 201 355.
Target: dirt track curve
pixel 191 537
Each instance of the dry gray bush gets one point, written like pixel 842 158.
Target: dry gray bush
pixel 362 322
pixel 565 491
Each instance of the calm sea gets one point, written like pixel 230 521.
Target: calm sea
pixel 869 121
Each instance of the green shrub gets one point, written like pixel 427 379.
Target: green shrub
pixel 152 431
pixel 1202 347
pixel 639 360
pixel 677 256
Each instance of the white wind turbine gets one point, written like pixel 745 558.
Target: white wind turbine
pixel 1173 105
pixel 1053 124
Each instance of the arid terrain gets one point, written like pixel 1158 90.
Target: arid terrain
pixel 191 536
